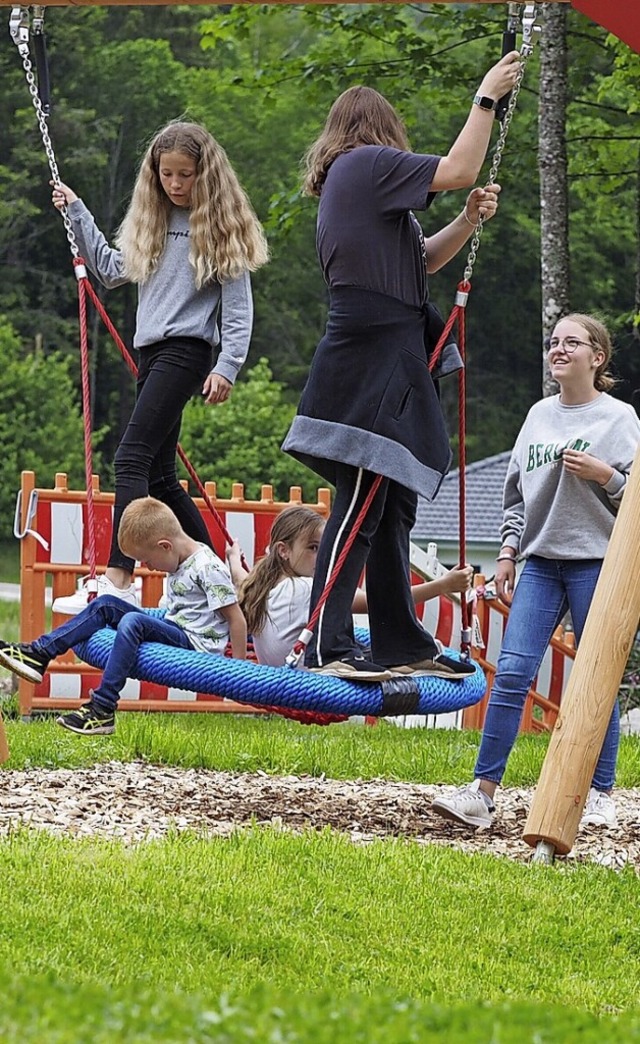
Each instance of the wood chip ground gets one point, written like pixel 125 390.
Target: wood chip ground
pixel 137 801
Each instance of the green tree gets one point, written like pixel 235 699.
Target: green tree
pixel 240 440
pixel 40 420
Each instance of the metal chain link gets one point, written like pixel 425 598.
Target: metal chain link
pixel 46 141
pixel 497 160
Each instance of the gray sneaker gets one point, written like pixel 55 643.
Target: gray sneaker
pixel 466 805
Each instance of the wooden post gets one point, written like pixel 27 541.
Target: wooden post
pixel 4 746
pixel 589 698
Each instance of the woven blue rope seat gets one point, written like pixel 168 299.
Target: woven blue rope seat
pixel 254 683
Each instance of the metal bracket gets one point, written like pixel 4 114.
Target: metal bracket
pixel 529 28
pixel 19 28
pixel 38 18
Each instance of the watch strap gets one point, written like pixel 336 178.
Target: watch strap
pixel 483 102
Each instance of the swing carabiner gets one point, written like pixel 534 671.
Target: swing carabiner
pixel 19 28
pixel 529 28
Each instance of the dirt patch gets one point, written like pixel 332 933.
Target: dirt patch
pixel 137 801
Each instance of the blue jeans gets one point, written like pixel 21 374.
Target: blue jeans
pixel 544 592
pixel 132 627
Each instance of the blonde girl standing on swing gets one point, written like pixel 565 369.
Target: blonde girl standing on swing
pixel 188 241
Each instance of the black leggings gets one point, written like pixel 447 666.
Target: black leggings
pixel 170 373
pixel 382 546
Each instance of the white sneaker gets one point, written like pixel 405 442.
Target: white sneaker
pixel 466 806
pixel 600 810
pixel 73 604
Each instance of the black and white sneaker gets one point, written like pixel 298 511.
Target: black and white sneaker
pixel 89 720
pixel 23 660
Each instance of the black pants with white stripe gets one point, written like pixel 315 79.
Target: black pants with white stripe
pixel 382 548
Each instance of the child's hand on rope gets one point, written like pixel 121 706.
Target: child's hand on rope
pixel 62 195
pixel 458 580
pixel 233 555
pixel 216 389
pixel 482 202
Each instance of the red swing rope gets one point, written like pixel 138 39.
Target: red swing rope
pixel 88 450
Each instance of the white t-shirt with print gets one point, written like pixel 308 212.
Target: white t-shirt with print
pixel 287 613
pixel 196 592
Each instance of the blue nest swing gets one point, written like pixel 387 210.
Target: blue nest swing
pixel 283 687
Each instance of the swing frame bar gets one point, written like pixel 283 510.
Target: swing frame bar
pixel 194 3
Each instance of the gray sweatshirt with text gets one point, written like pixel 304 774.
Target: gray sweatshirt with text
pixel 169 304
pixel 549 512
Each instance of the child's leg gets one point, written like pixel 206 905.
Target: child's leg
pixel 133 629
pixel 106 611
pixel 170 374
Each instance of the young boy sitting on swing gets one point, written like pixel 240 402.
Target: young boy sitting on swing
pixel 202 614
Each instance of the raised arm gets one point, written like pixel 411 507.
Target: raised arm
pixel 103 261
pixel 461 166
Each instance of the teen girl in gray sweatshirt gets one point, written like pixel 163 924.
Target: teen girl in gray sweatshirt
pixel 564 485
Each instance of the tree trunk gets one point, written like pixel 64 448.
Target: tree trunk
pixel 554 195
pixel 636 315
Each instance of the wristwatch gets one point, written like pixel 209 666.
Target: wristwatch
pixel 485 103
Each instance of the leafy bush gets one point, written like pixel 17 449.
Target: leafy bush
pixel 40 420
pixel 240 441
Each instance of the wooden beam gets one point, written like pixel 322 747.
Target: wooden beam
pixel 170 3
pixel 588 700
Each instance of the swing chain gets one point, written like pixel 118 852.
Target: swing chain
pixel 526 50
pixel 19 30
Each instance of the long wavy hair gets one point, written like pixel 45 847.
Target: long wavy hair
pixel 600 340
pixel 360 116
pixel 255 589
pixel 226 237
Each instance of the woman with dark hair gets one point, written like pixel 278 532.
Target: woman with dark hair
pixel 370 406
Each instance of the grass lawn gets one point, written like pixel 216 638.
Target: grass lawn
pixel 269 936
pixel 10 561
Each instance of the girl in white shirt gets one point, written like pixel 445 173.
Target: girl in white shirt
pixel 275 596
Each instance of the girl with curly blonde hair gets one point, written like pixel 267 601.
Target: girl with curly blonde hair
pixel 189 240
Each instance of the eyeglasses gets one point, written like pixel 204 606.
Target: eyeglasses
pixel 569 343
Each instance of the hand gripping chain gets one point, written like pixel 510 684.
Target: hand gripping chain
pixel 529 29
pixel 19 31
